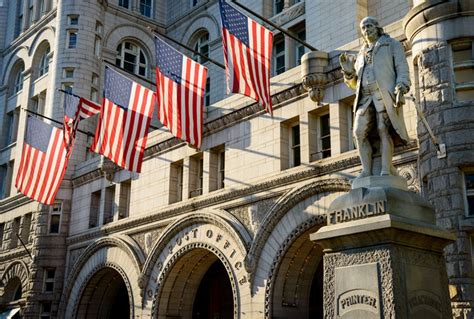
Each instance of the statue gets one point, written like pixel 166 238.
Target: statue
pixel 380 76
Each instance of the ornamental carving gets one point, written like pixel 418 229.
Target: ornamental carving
pixel 289 14
pixel 251 215
pixel 410 174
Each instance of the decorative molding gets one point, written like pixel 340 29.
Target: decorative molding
pixel 410 174
pixel 94 271
pixel 17 268
pixel 166 270
pixel 13 202
pixel 220 219
pixel 282 250
pixel 281 207
pixel 289 14
pixel 286 178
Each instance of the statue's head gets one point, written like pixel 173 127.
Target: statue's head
pixel 370 29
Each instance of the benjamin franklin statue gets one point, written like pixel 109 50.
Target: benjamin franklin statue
pixel 380 76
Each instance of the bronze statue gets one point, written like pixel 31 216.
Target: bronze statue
pixel 380 76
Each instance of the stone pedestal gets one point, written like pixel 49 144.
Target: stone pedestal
pixel 383 254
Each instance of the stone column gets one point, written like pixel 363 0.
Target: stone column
pixel 433 29
pixel 383 254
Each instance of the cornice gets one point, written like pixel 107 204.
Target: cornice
pixel 12 202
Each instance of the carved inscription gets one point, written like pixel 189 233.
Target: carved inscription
pixel 359 299
pixel 356 212
pixel 216 238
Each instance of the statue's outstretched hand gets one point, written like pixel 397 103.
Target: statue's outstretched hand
pixel 347 62
pixel 400 91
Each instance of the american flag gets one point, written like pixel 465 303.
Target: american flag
pixel 181 84
pixel 43 161
pixel 247 54
pixel 122 131
pixel 75 109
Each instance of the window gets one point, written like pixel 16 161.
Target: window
pixel 95 79
pixel 73 19
pixel 463 63
pixel 98 27
pixel 207 93
pixel 55 218
pixel 31 12
pixel 94 95
pixel 10 128
pixel 68 87
pixel 2 229
pixel 14 234
pixel 176 182
pixel 290 143
pixel 94 209
pixel 194 3
pixel 217 168
pixel 48 279
pixel 325 137
pixel 196 169
pixel 299 48
pixel 72 39
pixel 132 58
pixel 320 134
pixel 68 73
pixel 469 179
pixel 97 46
pixel 38 103
pixel 202 46
pixel 6 172
pixel 295 146
pixel 44 63
pixel 279 56
pixel 25 228
pixel 124 200
pixel 18 86
pixel 123 3
pixel 278 6
pixel 19 18
pixel 145 8
pixel 109 204
pixel 42 8
pixel 45 311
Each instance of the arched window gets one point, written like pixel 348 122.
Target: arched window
pixel 132 58
pixel 18 85
pixel 202 46
pixel 44 63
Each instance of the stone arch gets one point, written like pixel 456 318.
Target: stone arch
pixel 118 252
pixel 17 270
pixel 282 245
pixel 202 22
pixel 197 234
pixel 282 206
pixel 47 33
pixel 38 55
pixel 139 35
pixel 20 54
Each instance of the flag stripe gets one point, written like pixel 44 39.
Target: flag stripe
pixel 122 130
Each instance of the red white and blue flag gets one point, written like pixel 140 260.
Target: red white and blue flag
pixel 43 161
pixel 247 55
pixel 122 131
pixel 181 85
pixel 75 109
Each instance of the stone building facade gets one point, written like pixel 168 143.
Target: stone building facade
pixel 223 231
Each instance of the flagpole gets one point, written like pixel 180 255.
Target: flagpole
pixel 286 32
pixel 55 121
pixel 156 32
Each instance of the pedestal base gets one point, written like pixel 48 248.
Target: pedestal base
pixel 383 256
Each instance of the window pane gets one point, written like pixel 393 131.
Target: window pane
pixel 54 225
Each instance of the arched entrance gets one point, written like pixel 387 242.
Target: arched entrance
pixel 197 287
pixel 105 296
pixel 297 290
pixel 214 296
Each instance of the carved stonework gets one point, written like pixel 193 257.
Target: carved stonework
pixel 410 174
pixel 73 256
pixel 289 14
pixel 147 240
pixel 314 77
pixel 109 168
pixel 252 215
